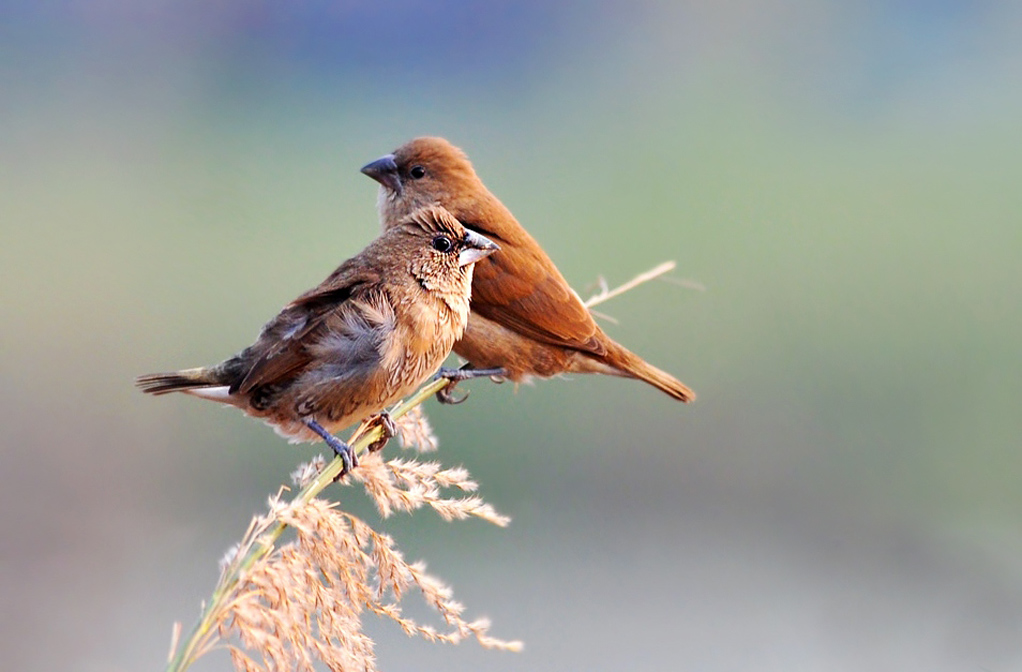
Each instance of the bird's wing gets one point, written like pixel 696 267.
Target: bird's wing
pixel 538 303
pixel 287 343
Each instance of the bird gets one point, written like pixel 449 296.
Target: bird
pixel 526 321
pixel 368 335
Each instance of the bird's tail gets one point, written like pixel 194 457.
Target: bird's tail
pixel 633 366
pixel 178 381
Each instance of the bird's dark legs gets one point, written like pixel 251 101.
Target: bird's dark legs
pixel 455 376
pixel 342 449
pixel 467 373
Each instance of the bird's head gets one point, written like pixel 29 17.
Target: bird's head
pixel 426 171
pixel 441 253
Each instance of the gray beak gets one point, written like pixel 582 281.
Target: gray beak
pixel 384 171
pixel 476 248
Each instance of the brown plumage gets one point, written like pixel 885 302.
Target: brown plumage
pixel 375 329
pixel 525 317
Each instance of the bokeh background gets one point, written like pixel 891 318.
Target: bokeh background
pixel 842 178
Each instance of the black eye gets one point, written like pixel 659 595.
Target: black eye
pixel 442 244
pixel 417 172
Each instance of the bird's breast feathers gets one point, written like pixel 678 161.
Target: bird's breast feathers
pixel 422 335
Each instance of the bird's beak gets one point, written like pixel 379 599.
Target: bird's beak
pixel 384 171
pixel 476 248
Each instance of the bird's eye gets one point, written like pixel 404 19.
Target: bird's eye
pixel 442 244
pixel 417 172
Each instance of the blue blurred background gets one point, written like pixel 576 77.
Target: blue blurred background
pixel 842 178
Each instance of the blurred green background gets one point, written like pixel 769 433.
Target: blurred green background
pixel 842 178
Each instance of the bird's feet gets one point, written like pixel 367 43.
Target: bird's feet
pixel 340 448
pixel 454 376
pixel 387 426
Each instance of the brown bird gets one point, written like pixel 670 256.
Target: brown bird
pixel 375 329
pixel 525 318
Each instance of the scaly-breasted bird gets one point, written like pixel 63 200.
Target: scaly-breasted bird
pixel 368 335
pixel 525 318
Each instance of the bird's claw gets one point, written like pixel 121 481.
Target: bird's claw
pixel 387 426
pixel 445 395
pixel 455 376
pixel 347 456
pixel 340 448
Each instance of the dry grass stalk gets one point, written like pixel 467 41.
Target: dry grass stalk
pixel 285 607
pixel 304 601
pixel 606 294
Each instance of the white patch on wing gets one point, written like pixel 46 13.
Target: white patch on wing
pixel 221 394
